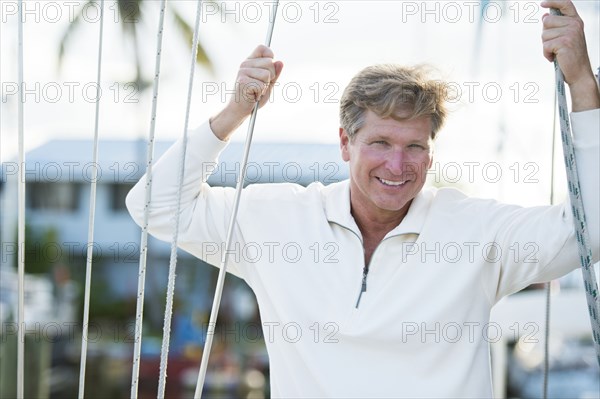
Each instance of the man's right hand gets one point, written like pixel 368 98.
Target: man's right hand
pixel 254 82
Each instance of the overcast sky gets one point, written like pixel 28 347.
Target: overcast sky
pixel 503 114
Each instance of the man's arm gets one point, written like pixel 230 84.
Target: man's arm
pixel 254 82
pixel 563 38
pixel 546 233
pixel 198 201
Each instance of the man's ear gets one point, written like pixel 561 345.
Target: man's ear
pixel 432 145
pixel 344 142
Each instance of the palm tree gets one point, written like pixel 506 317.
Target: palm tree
pixel 130 13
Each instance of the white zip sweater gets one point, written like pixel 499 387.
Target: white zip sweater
pixel 421 328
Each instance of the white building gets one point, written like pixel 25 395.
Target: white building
pixel 59 174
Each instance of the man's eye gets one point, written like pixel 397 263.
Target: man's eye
pixel 417 146
pixel 380 142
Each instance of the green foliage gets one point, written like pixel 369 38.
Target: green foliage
pixel 131 16
pixel 42 250
pixel 104 306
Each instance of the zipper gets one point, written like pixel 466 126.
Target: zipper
pixel 363 287
pixel 363 284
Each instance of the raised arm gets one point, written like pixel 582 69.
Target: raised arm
pixel 547 232
pixel 204 210
pixel 563 38
pixel 255 80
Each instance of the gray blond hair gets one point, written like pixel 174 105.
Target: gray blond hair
pixel 393 91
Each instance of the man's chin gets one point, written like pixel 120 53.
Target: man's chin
pixel 395 207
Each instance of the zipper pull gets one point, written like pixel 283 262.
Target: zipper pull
pixel 363 288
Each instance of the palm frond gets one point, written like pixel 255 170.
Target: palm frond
pixel 130 14
pixel 140 82
pixel 68 33
pixel 188 33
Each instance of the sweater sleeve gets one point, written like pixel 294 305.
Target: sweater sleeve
pixel 538 244
pixel 204 211
pixel 586 140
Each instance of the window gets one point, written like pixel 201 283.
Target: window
pixel 118 192
pixel 53 196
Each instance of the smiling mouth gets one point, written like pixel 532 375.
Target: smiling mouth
pixel 391 183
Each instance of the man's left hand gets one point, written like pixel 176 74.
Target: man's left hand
pixel 563 38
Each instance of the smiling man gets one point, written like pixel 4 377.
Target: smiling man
pixel 398 111
pixel 388 287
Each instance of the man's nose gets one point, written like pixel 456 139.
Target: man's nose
pixel 396 162
pixel 400 164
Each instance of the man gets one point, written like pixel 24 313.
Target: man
pixel 375 287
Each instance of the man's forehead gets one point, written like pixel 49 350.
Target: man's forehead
pixel 374 124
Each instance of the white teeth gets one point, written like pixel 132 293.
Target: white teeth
pixel 391 183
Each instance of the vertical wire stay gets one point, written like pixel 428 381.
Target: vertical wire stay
pixel 92 214
pixel 139 314
pixel 548 285
pixel 548 290
pixel 164 352
pixel 225 257
pixel 21 215
pixel 581 232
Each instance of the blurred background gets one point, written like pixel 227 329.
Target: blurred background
pixel 497 143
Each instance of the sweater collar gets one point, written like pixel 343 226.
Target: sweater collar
pixel 337 209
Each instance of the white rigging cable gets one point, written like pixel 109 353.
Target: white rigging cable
pixel 581 232
pixel 548 285
pixel 92 215
pixel 21 216
pixel 164 352
pixel 139 315
pixel 210 333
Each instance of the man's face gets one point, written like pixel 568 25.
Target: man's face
pixel 388 162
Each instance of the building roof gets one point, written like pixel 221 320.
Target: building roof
pixel 124 161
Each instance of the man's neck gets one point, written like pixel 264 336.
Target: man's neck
pixel 375 225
